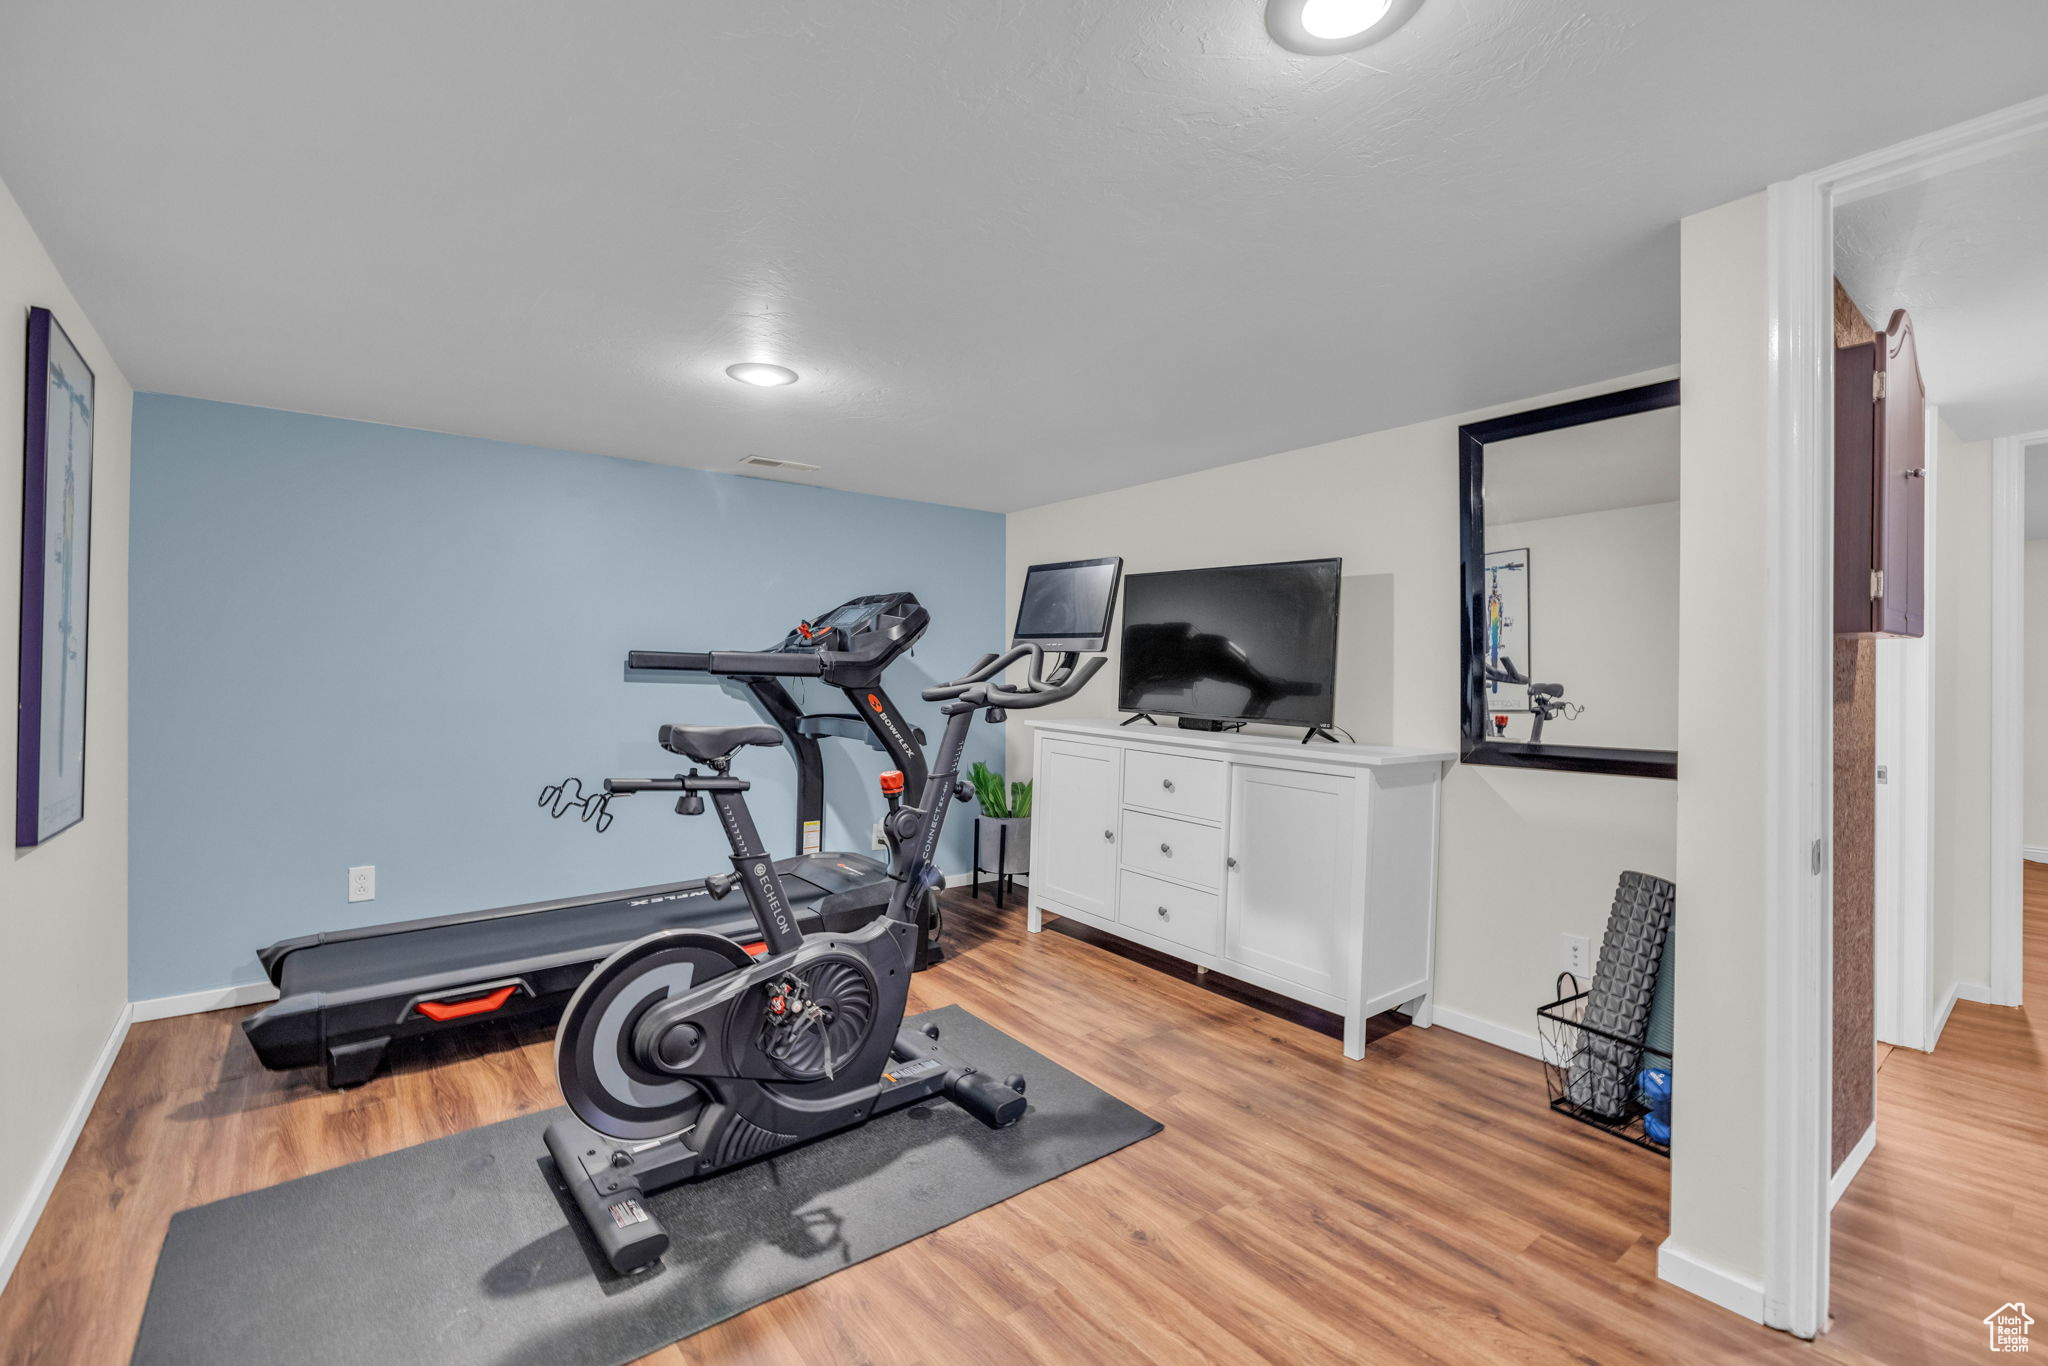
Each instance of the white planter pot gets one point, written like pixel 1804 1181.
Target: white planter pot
pixel 1013 852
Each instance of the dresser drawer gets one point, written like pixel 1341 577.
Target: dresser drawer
pixel 1174 783
pixel 1171 848
pixel 1180 914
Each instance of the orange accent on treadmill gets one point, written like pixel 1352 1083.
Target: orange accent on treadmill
pixel 455 1010
pixel 757 948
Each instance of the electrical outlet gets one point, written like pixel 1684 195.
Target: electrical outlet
pixel 362 883
pixel 1578 957
pixel 879 840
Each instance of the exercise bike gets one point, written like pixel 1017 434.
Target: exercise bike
pixel 682 1055
pixel 1546 700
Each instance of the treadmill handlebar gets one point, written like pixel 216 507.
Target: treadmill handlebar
pixel 680 661
pixel 731 663
pixel 772 662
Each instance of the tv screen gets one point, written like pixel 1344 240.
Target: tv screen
pixel 1249 642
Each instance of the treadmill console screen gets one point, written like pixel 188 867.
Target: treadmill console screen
pixel 1068 606
pixel 849 617
pixel 876 628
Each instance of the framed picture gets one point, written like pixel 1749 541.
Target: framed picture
pixel 56 555
pixel 1507 627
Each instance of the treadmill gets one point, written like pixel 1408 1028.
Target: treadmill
pixel 344 996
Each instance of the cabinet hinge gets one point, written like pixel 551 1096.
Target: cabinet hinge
pixel 1877 386
pixel 1876 584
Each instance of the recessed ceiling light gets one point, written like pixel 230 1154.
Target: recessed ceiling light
pixel 756 372
pixel 1325 27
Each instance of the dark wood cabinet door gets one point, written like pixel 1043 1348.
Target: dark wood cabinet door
pixel 1880 485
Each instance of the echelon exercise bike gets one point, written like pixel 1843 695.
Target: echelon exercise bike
pixel 682 1055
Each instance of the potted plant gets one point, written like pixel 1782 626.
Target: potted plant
pixel 1004 832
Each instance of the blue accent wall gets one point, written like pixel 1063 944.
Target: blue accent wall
pixel 357 644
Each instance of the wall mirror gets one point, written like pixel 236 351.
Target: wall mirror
pixel 1569 540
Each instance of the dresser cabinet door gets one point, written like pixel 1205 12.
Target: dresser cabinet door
pixel 1289 864
pixel 1074 825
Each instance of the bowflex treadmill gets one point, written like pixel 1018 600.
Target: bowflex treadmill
pixel 344 996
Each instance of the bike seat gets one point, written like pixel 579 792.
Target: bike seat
pixel 705 743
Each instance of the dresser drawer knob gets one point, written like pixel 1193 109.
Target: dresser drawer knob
pixel 1166 783
pixel 1230 863
pixel 1165 914
pixel 1109 834
pixel 1166 849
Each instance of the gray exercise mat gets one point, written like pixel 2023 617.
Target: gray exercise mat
pixel 464 1250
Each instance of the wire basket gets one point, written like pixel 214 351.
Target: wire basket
pixel 1592 1074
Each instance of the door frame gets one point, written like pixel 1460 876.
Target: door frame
pixel 1798 984
pixel 2009 715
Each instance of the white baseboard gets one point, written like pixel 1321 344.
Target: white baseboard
pixel 1737 1294
pixel 1852 1164
pixel 15 1241
pixel 199 1002
pixel 1501 1036
pixel 2034 853
pixel 1960 991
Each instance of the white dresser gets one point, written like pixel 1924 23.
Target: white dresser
pixel 1309 870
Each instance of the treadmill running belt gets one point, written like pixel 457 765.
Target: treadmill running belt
pixel 589 932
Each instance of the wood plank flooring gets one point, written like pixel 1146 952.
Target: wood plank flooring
pixel 1423 1206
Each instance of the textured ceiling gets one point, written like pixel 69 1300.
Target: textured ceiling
pixel 1020 251
pixel 1966 255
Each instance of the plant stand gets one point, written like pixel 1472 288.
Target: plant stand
pixel 1005 876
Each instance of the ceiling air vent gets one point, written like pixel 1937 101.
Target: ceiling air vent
pixel 762 462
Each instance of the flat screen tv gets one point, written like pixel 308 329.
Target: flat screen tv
pixel 1247 642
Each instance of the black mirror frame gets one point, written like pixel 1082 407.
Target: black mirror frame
pixel 1473 439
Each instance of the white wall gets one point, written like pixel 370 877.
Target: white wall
pixel 1603 605
pixel 1526 856
pixel 1717 1136
pixel 64 905
pixel 2036 703
pixel 1960 942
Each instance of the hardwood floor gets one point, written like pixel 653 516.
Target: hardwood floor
pixel 1952 1208
pixel 1421 1206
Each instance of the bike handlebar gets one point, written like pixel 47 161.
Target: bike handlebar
pixel 620 787
pixel 1041 689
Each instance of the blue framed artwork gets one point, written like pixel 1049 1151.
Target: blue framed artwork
pixel 56 554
